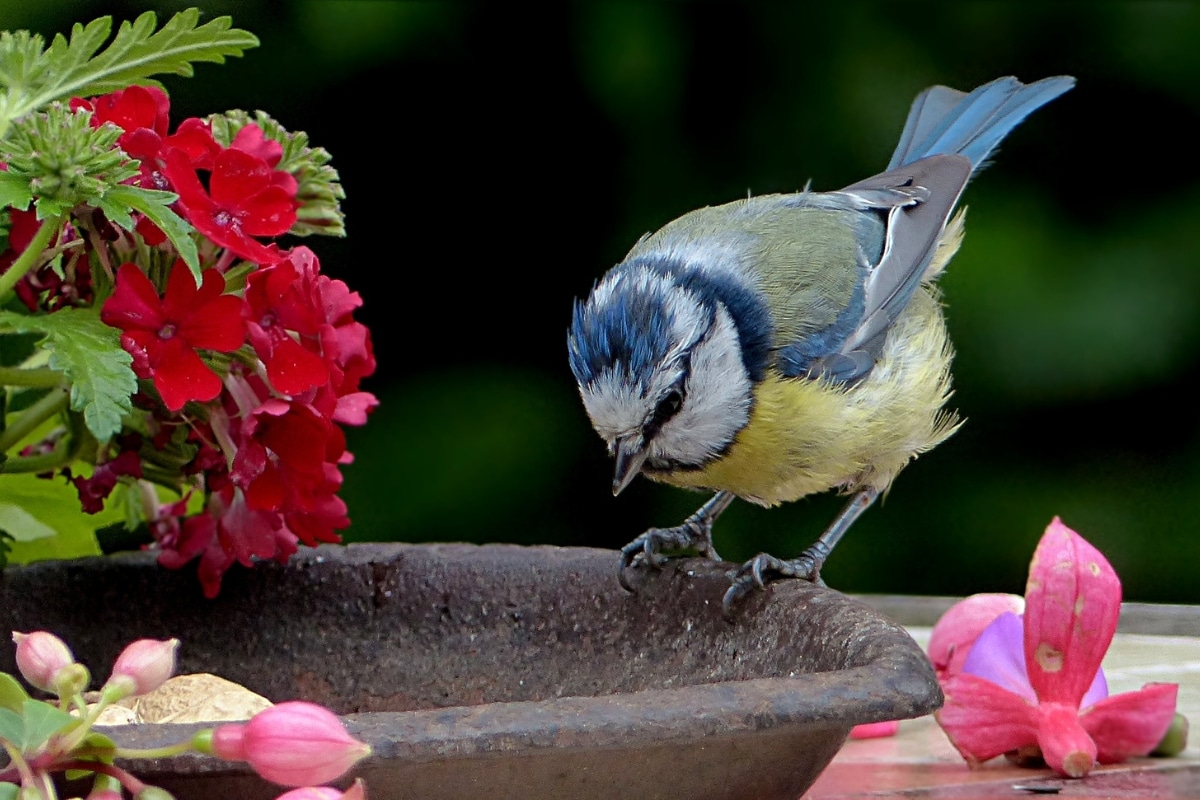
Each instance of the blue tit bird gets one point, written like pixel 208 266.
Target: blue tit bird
pixel 789 344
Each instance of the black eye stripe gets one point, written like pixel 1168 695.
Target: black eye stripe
pixel 667 407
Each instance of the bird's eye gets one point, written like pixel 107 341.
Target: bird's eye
pixel 667 407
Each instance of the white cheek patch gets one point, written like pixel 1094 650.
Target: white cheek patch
pixel 716 402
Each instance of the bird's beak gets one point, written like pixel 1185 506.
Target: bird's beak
pixel 630 457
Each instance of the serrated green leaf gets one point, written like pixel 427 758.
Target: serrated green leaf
pixel 12 694
pixel 21 525
pixel 78 67
pixel 156 206
pixel 90 354
pixel 14 191
pixel 42 721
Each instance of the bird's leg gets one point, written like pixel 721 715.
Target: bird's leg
pixel 694 534
pixel 756 572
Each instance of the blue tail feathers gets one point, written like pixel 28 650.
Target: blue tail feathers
pixel 943 120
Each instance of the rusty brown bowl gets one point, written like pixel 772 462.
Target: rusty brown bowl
pixel 503 671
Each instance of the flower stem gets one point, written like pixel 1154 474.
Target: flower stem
pixel 45 408
pixel 155 752
pixel 30 256
pixel 132 784
pixel 47 462
pixel 18 763
pixel 40 378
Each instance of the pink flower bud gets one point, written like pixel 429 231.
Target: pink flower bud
pixel 143 666
pixel 40 658
pixel 875 730
pixel 104 794
pixel 356 792
pixel 961 625
pixel 292 744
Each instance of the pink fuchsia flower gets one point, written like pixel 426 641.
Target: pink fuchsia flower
pixel 104 794
pixel 961 625
pixel 143 666
pixel 41 657
pixel 292 744
pixel 1042 689
pixel 163 335
pixel 358 791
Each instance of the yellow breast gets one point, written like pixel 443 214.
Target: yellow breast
pixel 807 436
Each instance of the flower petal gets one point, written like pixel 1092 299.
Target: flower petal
pixel 998 655
pixel 984 720
pixel 1073 599
pixel 134 303
pixel 180 375
pixel 960 626
pixel 1131 723
pixel 1065 745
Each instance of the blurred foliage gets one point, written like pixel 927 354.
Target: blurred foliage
pixel 499 157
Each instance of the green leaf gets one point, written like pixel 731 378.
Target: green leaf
pixel 18 524
pixel 103 749
pixel 42 721
pixel 77 67
pixel 55 504
pixel 12 727
pixel 9 791
pixel 90 354
pixel 14 191
pixel 156 206
pixel 12 694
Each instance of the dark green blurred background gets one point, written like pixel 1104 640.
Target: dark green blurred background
pixel 498 158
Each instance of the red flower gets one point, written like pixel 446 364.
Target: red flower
pixel 163 335
pixel 250 139
pixel 277 306
pixel 246 198
pixel 345 344
pixel 286 462
pixel 1051 696
pixel 95 490
pixel 141 111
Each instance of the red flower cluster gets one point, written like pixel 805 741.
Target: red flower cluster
pixel 254 385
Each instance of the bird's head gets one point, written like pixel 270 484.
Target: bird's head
pixel 660 368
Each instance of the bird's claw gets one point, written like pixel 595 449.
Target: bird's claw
pixel 642 550
pixel 648 548
pixel 756 573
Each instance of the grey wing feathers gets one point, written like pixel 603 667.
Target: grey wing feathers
pixel 918 199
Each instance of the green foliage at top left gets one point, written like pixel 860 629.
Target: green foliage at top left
pixel 33 76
